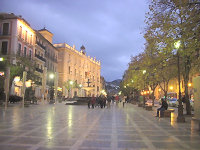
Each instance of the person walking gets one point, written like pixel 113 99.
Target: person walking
pixel 104 101
pixel 109 99
pixel 123 100
pixel 93 101
pixel 117 99
pixel 89 102
pixel 101 101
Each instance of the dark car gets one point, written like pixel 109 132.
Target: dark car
pixel 14 98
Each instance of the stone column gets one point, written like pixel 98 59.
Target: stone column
pixel 6 86
pixel 196 86
pixel 44 80
pixel 23 87
pixel 56 85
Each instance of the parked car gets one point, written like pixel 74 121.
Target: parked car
pixel 14 98
pixel 191 104
pixel 173 102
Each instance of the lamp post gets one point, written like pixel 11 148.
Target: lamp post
pixel 51 77
pixel 6 80
pixel 144 71
pixel 180 117
pixel 70 85
pixel 80 86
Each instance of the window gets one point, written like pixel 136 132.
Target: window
pixel 20 31
pixel 31 38
pixel 69 69
pixel 24 51
pixel 5 28
pixel 26 36
pixel 19 49
pixel 4 47
pixel 30 53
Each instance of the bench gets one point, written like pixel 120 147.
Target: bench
pixel 134 102
pixel 140 105
pixel 167 113
pixel 27 103
pixel 149 108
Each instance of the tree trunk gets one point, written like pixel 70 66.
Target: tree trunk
pixel 153 97
pixel 186 79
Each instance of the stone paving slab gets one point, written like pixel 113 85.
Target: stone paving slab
pixel 65 127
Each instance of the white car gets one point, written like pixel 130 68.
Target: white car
pixel 173 102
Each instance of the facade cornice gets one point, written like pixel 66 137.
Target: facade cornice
pixel 72 49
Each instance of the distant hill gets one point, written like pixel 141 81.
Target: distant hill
pixel 113 87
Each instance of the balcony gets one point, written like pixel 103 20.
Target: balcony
pixel 40 57
pixel 5 34
pixel 39 70
pixel 39 44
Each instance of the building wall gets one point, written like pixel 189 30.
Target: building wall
pixel 173 88
pixel 51 62
pixel 20 38
pixel 77 67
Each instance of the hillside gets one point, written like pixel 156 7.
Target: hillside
pixel 113 87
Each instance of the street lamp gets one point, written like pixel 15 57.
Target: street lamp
pixel 51 76
pixel 1 59
pixel 144 71
pixel 180 117
pixel 70 84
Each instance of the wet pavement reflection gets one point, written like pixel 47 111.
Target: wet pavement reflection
pixel 64 127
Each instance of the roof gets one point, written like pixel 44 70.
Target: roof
pixel 44 29
pixel 4 16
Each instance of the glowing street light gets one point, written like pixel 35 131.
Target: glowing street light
pixel 189 84
pixel 51 76
pixel 177 44
pixel 171 87
pixel 71 82
pixel 17 79
pixel 1 59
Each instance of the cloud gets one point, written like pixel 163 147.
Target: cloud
pixel 109 29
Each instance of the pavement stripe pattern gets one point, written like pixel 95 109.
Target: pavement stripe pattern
pixel 61 127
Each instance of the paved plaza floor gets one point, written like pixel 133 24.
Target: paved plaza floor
pixel 64 127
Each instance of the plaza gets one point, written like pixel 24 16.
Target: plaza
pixel 67 127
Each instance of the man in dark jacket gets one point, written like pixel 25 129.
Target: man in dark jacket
pixel 163 107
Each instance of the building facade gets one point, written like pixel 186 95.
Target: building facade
pixel 18 41
pixel 79 74
pixel 49 55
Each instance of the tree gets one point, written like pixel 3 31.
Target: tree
pixel 172 20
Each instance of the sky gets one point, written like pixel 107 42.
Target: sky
pixel 110 30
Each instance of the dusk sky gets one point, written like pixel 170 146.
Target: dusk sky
pixel 111 30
